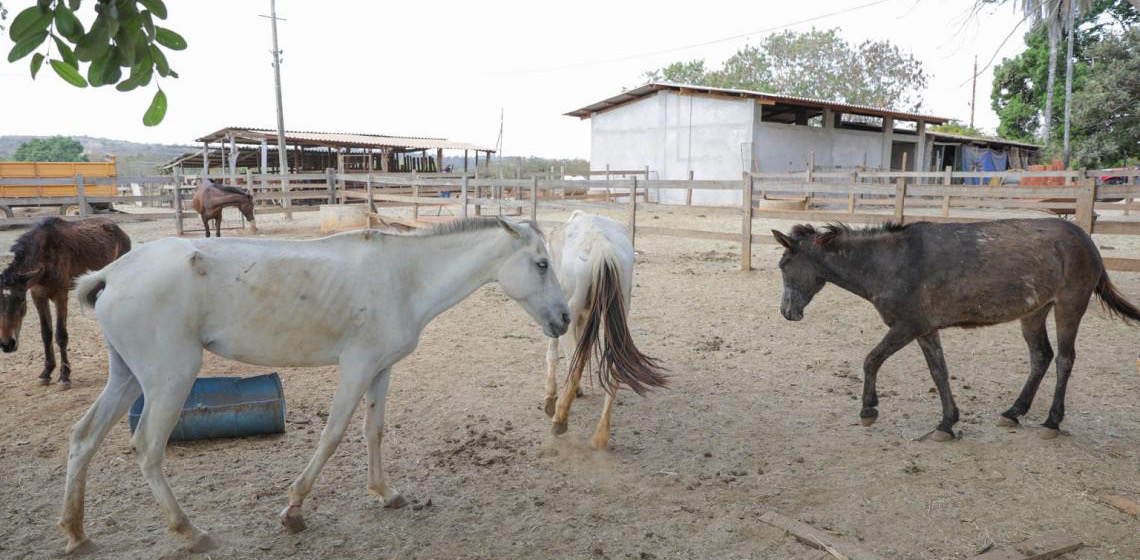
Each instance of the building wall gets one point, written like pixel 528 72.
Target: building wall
pixel 787 147
pixel 712 137
pixel 628 137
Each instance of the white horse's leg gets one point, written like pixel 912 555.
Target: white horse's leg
pixel 355 378
pixel 561 419
pixel 121 390
pixel 601 438
pixel 165 387
pixel 375 399
pixel 551 376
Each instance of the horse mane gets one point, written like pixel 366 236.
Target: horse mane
pixel 27 248
pixel 470 224
pixel 230 189
pixel 838 231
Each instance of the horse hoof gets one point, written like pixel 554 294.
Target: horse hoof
pixel 941 436
pixel 578 392
pixel 559 428
pixel 45 381
pixel 81 546
pixel 549 408
pixel 203 543
pixel 868 421
pixel 600 444
pixel 396 503
pixel 64 385
pixel 294 522
pixel 1006 422
pixel 1048 433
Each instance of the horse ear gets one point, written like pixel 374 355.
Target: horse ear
pixel 783 239
pixel 512 228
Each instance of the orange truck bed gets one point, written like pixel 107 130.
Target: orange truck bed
pixel 64 171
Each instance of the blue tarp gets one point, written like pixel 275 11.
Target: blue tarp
pixel 981 159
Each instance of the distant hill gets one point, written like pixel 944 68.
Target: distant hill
pixel 132 158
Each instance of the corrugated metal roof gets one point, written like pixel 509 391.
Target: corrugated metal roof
pixel 653 87
pixel 340 139
pixel 961 138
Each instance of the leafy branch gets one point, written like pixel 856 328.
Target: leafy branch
pixel 123 47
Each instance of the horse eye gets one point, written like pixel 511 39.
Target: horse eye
pixel 543 264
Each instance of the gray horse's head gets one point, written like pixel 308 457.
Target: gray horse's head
pixel 802 274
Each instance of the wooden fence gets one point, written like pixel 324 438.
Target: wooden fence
pixel 854 197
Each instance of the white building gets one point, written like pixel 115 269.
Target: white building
pixel 716 133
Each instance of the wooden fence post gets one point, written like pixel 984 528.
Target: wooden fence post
pixel 947 175
pixel 82 192
pixel 1086 203
pixel 645 196
pixel 900 199
pixel 330 181
pixel 176 203
pixel 746 223
pixel 463 197
pixel 851 195
pixel 688 192
pixel 607 178
pixel 632 211
pixel 415 194
pixel 534 199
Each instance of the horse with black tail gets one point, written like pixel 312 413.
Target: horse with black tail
pixel 595 266
pixel 924 277
pixel 210 200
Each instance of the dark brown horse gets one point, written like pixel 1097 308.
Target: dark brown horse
pixel 925 277
pixel 210 199
pixel 47 260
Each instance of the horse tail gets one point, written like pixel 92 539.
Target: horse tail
pixel 90 285
pixel 619 361
pixel 1111 299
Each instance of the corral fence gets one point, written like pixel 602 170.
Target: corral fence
pixel 806 196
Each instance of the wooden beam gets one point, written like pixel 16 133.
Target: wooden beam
pixel 1041 547
pixel 818 539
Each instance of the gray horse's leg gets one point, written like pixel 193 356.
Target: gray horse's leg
pixel 894 341
pixel 1033 328
pixel 1068 317
pixel 932 349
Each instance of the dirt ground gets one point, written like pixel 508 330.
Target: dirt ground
pixel 762 414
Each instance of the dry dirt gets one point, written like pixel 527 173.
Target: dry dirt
pixel 762 415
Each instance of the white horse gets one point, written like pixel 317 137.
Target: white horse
pixel 358 299
pixel 595 264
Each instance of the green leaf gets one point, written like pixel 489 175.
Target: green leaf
pixel 156 7
pixel 114 72
pixel 26 46
pixel 67 24
pixel 37 61
pixel 98 68
pixel 169 39
pixel 95 42
pixel 66 53
pixel 160 62
pixel 28 22
pixel 74 4
pixel 157 110
pixel 148 24
pixel 68 73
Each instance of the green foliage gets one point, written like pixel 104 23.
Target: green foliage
pixel 122 36
pixel 1106 114
pixel 956 127
pixel 816 63
pixel 1020 83
pixel 55 148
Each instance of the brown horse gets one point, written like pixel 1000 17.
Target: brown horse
pixel 48 259
pixel 925 277
pixel 210 199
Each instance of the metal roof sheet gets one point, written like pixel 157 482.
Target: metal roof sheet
pixel 340 139
pixel 653 87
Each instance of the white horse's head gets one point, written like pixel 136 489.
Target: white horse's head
pixel 527 276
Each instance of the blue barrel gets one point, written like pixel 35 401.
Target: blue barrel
pixel 222 407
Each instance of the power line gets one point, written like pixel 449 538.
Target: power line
pixel 695 45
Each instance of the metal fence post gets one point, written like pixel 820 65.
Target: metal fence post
pixel 746 222
pixel 82 192
pixel 176 202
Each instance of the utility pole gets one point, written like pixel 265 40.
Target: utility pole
pixel 973 92
pixel 282 158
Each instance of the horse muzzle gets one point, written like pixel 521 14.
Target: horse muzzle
pixel 8 345
pixel 557 327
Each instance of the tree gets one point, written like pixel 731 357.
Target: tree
pixel 1106 112
pixel 816 63
pixel 956 127
pixel 55 148
pixel 123 35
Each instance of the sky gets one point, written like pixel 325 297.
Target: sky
pixel 447 69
